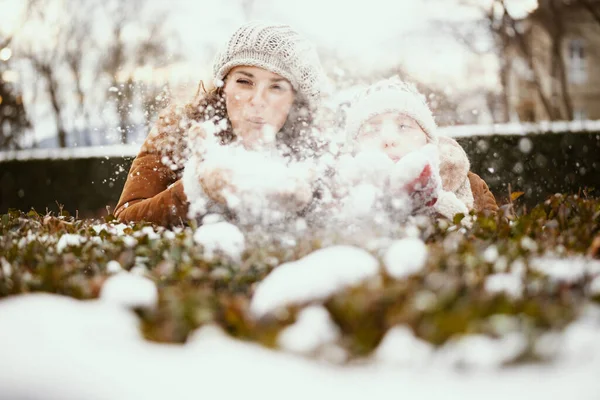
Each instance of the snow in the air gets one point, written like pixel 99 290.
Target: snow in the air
pixel 314 277
pixel 221 238
pixel 259 184
pixel 405 257
pixel 198 200
pixel 360 201
pixel 312 330
pixel 129 290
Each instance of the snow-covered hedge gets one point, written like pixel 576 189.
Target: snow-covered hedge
pixel 497 281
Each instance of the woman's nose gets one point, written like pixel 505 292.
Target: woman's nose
pixel 390 142
pixel 258 98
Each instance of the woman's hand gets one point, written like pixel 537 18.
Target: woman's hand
pixel 217 184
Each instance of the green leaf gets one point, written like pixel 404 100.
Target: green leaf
pixel 515 195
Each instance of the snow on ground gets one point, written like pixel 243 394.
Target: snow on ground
pixel 314 277
pixel 129 290
pixel 401 347
pixel 312 330
pixel 93 350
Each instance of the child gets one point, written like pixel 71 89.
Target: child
pixel 392 117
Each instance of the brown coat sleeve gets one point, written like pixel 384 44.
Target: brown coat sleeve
pixel 153 191
pixel 484 200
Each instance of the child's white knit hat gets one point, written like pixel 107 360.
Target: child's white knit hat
pixel 276 48
pixel 390 95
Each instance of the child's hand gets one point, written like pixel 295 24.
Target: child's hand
pixel 417 175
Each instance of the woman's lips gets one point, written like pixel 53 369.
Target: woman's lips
pixel 256 121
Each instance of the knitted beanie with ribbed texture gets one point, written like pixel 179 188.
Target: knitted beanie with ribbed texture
pixel 277 48
pixel 390 95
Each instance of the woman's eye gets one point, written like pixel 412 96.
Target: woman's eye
pixel 277 87
pixel 244 82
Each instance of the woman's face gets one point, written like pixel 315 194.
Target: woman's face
pixel 393 133
pixel 258 103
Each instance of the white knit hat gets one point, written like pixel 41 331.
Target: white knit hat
pixel 276 48
pixel 390 95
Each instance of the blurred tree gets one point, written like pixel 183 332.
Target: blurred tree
pixel 147 46
pixel 13 117
pixel 593 7
pixel 512 38
pixel 85 55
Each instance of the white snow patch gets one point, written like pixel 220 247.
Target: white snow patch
pixel 129 290
pixel 401 347
pixel 594 288
pixel 312 330
pixel 5 267
pixel 113 267
pixel 149 232
pixel 221 238
pixel 490 255
pixel 84 349
pixel 579 341
pixel 529 244
pixel 130 241
pixel 568 270
pixel 405 257
pixel 479 351
pixel 113 229
pixel 510 284
pixel 69 239
pixel 314 277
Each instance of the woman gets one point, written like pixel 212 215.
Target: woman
pixel 267 77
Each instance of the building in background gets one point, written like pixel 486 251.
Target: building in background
pixel 554 59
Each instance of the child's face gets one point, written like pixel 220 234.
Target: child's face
pixel 393 133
